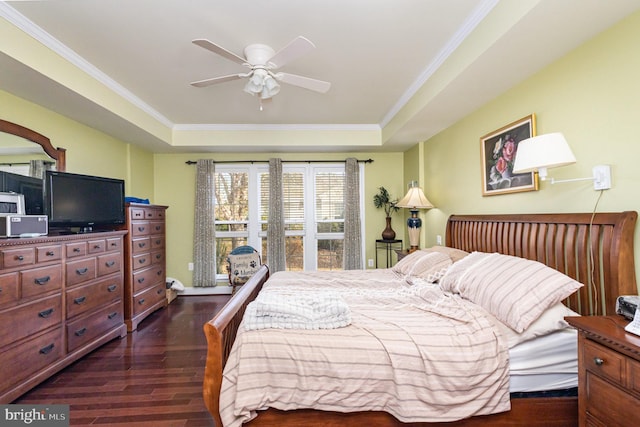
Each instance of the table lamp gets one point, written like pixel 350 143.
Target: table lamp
pixel 414 200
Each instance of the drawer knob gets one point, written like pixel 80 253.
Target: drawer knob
pixel 141 229
pixel 142 245
pixel 110 263
pixel 142 260
pixel 47 349
pixel 76 250
pixel 141 301
pixel 42 280
pixel 20 258
pixel 79 300
pixel 50 253
pixel 112 315
pixel 141 280
pixel 80 332
pixel 82 271
pixel 598 361
pixel 112 288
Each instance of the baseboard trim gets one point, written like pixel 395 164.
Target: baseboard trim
pixel 214 290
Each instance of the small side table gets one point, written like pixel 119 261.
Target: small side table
pixel 389 246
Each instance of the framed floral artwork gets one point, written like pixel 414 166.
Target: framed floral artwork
pixel 499 150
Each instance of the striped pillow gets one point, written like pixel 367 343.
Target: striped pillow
pixel 515 290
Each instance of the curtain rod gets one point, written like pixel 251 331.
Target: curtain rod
pixel 191 162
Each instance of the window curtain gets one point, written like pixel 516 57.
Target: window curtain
pixel 204 234
pixel 352 237
pixel 275 232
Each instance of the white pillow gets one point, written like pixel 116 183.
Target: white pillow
pixel 551 320
pixel 515 290
pixel 429 266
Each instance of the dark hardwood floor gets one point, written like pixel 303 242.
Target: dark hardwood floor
pixel 152 377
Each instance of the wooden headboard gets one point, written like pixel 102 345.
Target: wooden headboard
pixel 597 250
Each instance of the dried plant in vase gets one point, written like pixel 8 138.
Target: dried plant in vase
pixel 383 200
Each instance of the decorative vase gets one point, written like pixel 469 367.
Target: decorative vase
pixel 388 233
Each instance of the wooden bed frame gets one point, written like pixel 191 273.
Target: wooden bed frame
pixel 595 249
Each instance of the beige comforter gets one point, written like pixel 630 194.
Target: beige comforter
pixel 411 350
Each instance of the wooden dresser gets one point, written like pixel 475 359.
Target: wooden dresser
pixel 145 263
pixel 609 372
pixel 60 298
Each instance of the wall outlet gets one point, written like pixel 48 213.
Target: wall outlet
pixel 439 240
pixel 370 262
pixel 190 266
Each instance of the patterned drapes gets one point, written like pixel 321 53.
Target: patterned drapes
pixel 352 236
pixel 204 235
pixel 276 257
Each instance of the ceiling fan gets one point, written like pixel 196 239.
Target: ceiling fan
pixel 263 62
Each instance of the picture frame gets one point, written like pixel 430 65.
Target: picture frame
pixel 498 153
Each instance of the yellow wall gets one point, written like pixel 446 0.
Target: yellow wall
pixel 592 95
pixel 175 187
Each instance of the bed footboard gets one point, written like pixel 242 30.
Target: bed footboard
pixel 221 333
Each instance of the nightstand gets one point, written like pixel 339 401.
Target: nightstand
pixel 388 246
pixel 608 372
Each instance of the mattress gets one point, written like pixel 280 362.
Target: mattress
pixel 546 363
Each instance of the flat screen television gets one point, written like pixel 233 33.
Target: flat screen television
pixel 83 201
pixel 29 187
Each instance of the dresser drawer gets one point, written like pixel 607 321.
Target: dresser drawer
pixel 148 298
pixel 140 228
pixel 157 227
pixel 114 244
pixel 140 261
pixel 634 376
pixel 37 281
pixel 17 257
pixel 144 278
pixel 603 362
pixel 140 245
pixel 157 257
pixel 96 246
pixel 48 253
pixel 9 289
pixel 88 297
pixel 22 361
pixel 157 242
pixel 75 249
pixel 109 263
pixel 605 399
pixel 85 329
pixel 27 319
pixel 137 213
pixel 81 271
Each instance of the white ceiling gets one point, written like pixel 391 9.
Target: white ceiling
pixel 401 70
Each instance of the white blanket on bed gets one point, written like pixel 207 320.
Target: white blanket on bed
pixel 297 310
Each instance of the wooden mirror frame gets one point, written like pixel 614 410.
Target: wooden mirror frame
pixel 59 154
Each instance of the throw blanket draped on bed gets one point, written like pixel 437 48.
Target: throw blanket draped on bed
pixel 412 351
pixel 297 310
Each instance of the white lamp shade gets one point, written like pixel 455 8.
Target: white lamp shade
pixel 415 199
pixel 550 150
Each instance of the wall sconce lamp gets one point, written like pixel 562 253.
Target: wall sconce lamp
pixel 538 153
pixel 414 200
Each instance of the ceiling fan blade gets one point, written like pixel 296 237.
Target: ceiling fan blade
pixel 296 48
pixel 303 82
pixel 216 80
pixel 209 45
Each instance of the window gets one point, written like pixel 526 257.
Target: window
pixel 313 210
